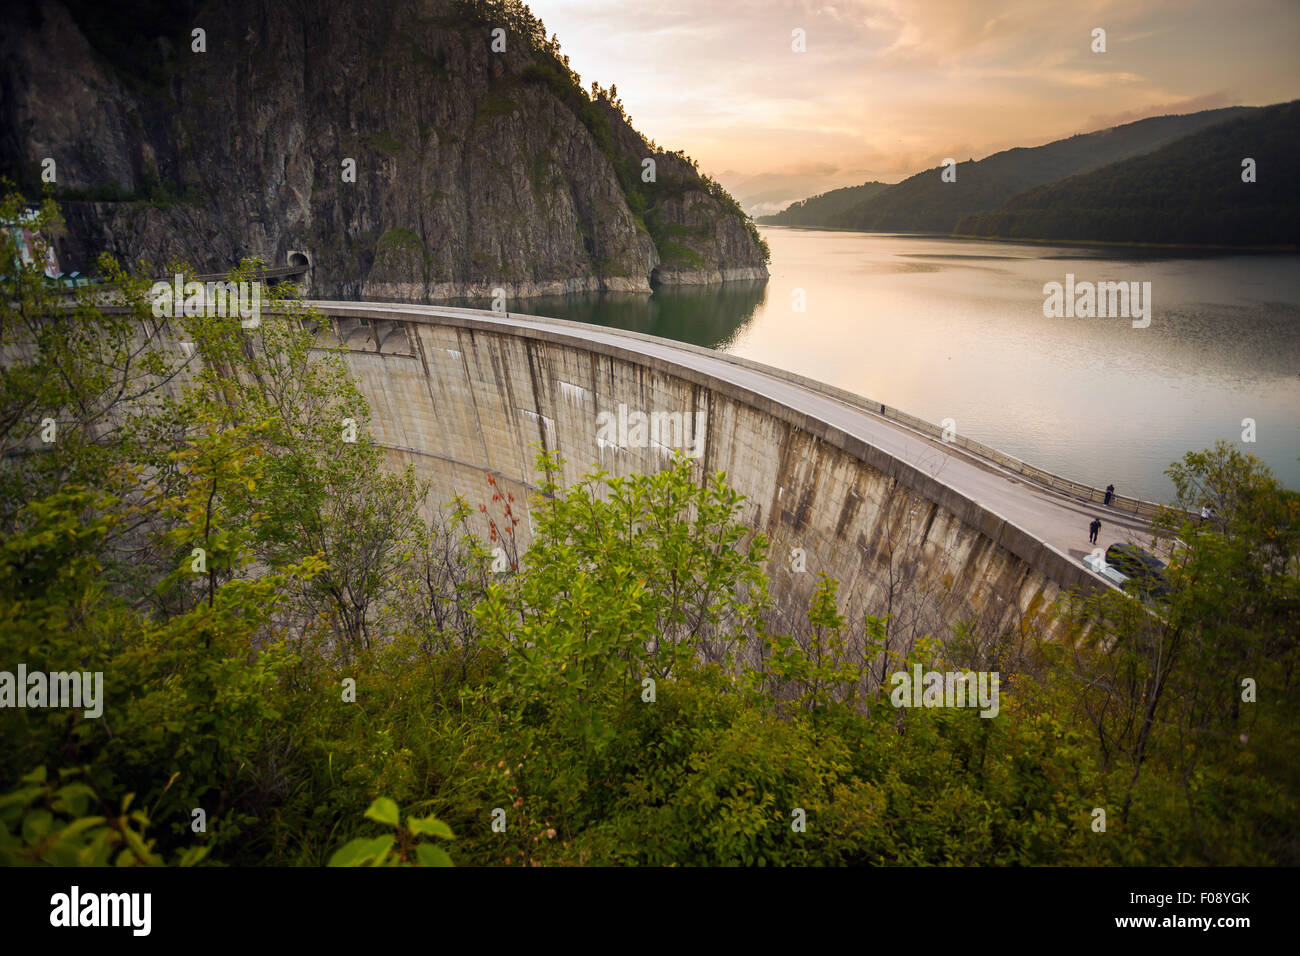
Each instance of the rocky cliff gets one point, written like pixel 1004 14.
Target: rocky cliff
pixel 476 167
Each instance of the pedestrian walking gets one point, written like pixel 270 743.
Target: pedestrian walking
pixel 1205 513
pixel 1093 529
pixel 1110 493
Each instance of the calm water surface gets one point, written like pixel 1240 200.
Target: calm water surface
pixel 946 328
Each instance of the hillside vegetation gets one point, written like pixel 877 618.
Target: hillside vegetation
pixel 1189 192
pixel 306 661
pixel 924 203
pixel 818 210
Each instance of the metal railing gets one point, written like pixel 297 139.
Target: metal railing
pixel 1054 482
pixel 267 275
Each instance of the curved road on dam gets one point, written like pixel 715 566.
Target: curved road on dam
pixel 1055 519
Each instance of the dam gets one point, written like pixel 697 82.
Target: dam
pixel 926 530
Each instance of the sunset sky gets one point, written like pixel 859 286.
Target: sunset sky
pixel 890 87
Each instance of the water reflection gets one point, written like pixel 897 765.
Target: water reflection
pixel 712 316
pixel 949 328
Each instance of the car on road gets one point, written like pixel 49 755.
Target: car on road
pixel 1143 569
pixel 1095 563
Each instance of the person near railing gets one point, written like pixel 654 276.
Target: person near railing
pixel 1110 493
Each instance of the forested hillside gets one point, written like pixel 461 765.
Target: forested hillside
pixel 817 210
pixel 925 203
pixel 1189 192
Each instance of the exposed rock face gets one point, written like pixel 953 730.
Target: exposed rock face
pixel 474 169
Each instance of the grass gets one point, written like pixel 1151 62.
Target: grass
pixel 493 104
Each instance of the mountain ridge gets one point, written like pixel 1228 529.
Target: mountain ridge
pixel 475 168
pixel 821 207
pixel 925 203
pixel 1201 197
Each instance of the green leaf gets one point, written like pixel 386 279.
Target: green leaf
pixel 37 824
pixel 429 826
pixel 379 848
pixel 194 855
pixel 73 799
pixel 427 854
pixel 138 845
pixel 352 853
pixel 76 826
pixel 384 811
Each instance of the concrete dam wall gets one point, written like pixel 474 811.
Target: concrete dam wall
pixel 460 394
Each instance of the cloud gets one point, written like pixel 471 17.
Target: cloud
pixel 1210 101
pixel 890 87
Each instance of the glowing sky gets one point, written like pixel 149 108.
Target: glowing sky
pixel 887 88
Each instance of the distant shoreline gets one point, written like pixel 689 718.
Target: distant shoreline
pixel 1131 245
pixel 1045 242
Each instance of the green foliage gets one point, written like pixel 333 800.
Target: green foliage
pixel 404 847
pixel 48 821
pixel 675 254
pixel 157 192
pixel 1167 693
pixel 818 210
pixel 820 670
pixel 925 203
pixel 618 587
pixel 617 694
pixel 1188 192
pixel 759 241
pixel 494 104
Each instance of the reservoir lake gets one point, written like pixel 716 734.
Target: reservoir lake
pixel 954 329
